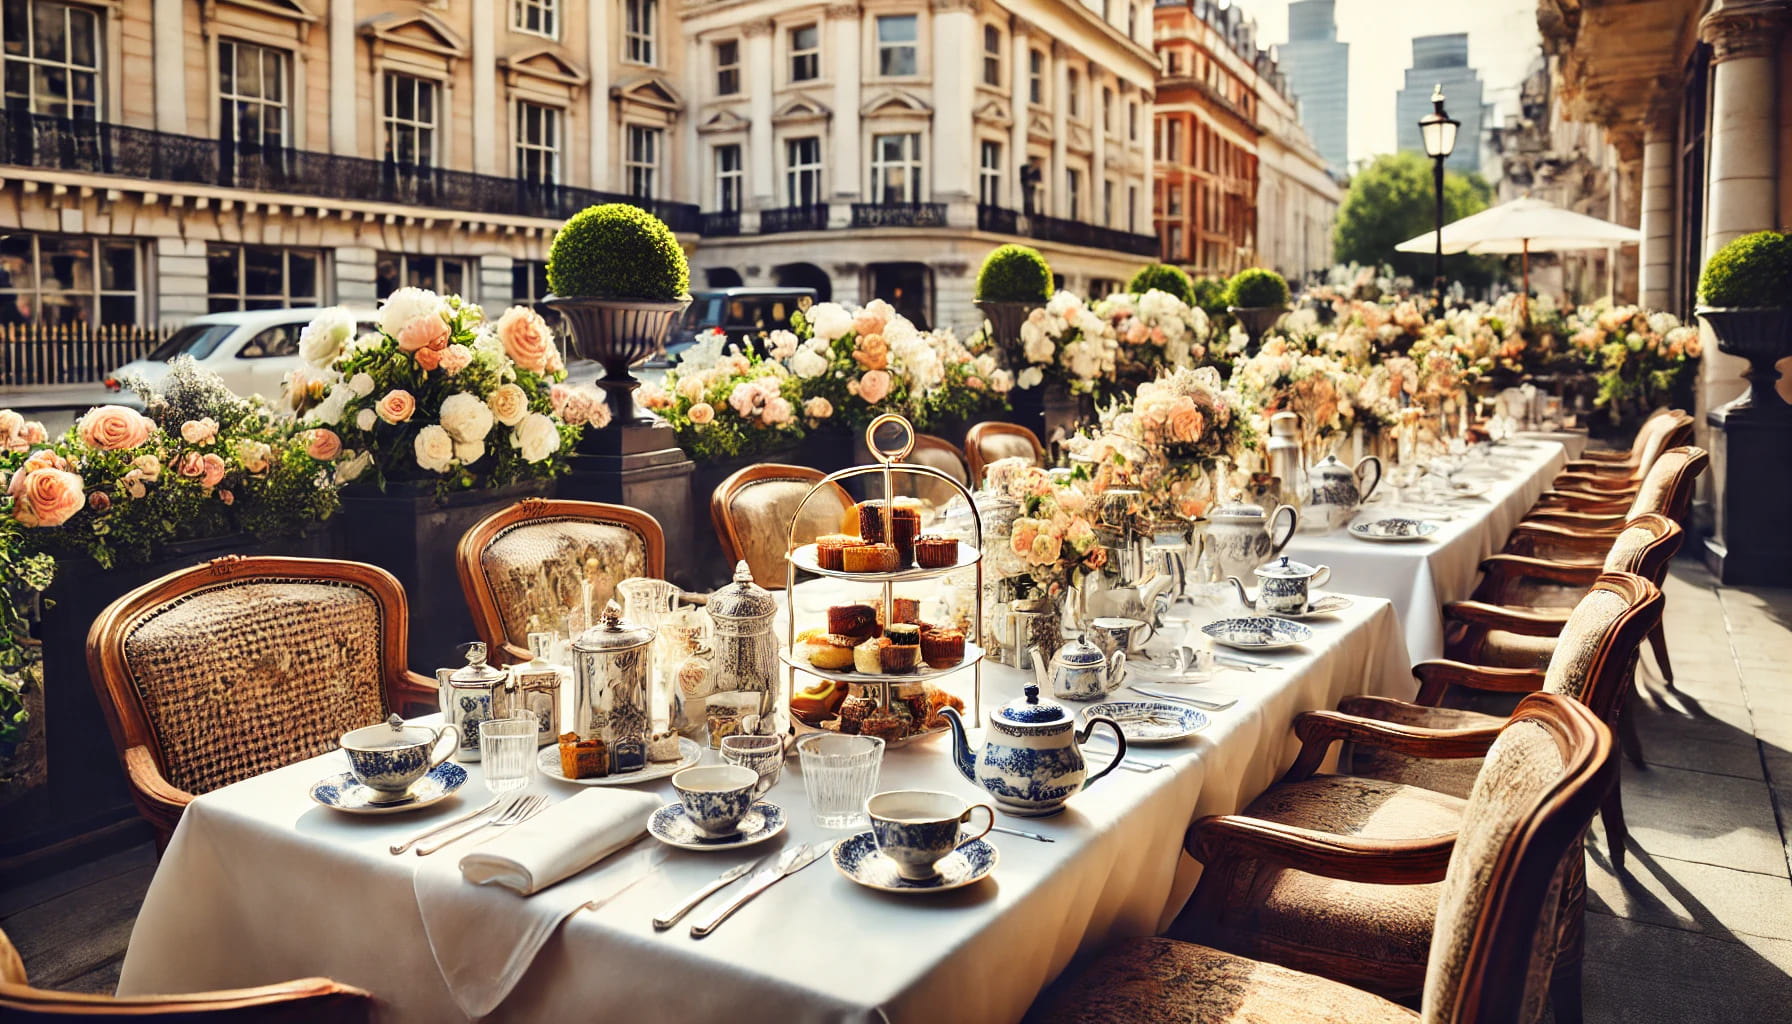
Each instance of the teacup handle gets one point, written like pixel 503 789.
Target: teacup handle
pixel 763 786
pixel 966 816
pixel 452 735
pixel 1320 575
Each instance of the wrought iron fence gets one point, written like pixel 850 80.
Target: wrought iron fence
pixel 1069 232
pixel 721 223
pixel 899 215
pixel 809 217
pixel 35 354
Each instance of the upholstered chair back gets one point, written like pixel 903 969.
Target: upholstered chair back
pixel 934 453
pixel 987 442
pixel 525 568
pixel 1658 435
pixel 1494 942
pixel 753 510
pixel 1598 646
pixel 1645 547
pixel 1667 487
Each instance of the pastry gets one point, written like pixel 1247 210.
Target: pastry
pixel 853 711
pixel 911 702
pixel 663 747
pixel 870 558
pixel 583 759
pixel 934 552
pixel 831 651
pixel 905 524
pixel 942 647
pixel 938 698
pixel 903 633
pixel 858 621
pixel 828 548
pixel 885 725
pixel 820 702
pixel 896 658
pixel 868 656
pixel 908 609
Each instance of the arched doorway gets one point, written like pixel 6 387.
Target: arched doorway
pixel 805 275
pixel 906 286
pixel 722 277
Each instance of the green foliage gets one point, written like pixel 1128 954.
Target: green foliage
pixel 1256 287
pixel 617 251
pixel 1751 271
pixel 1394 199
pixel 22 574
pixel 1014 273
pixel 1164 278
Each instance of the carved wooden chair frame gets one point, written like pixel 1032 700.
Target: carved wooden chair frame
pixel 1592 532
pixel 721 502
pixel 973 445
pixel 1594 490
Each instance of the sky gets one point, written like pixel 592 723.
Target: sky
pixel 1502 41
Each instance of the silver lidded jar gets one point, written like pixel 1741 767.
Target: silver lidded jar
pixel 471 694
pixel 744 652
pixel 613 688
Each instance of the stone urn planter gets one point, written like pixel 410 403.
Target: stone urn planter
pixel 1256 320
pixel 1005 318
pixel 1763 336
pixel 619 334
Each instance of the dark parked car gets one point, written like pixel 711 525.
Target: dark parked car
pixel 746 314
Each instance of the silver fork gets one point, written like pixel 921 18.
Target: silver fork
pixel 1205 705
pixel 398 848
pixel 517 813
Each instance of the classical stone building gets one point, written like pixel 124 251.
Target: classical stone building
pixel 1297 190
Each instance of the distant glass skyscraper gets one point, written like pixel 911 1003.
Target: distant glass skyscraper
pixel 1318 70
pixel 1442 60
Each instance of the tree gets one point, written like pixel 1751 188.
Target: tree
pixel 1392 200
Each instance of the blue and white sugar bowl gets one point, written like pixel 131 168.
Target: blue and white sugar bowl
pixel 1031 760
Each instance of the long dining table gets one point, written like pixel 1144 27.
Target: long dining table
pixel 260 884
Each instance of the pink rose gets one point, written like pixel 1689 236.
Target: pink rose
pixel 428 358
pixel 426 331
pixel 323 445
pixel 874 386
pixel 974 383
pixel 226 497
pixel 202 431
pixel 456 358
pixel 113 428
pixel 46 497
pixel 191 465
pixel 818 408
pixel 778 411
pixel 867 321
pixel 1046 548
pixel 212 470
pixel 526 338
pixel 396 407
pixel 702 413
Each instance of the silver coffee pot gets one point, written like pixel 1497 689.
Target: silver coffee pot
pixel 613 688
pixel 744 648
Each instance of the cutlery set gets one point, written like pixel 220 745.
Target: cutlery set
pixel 788 863
pixel 519 809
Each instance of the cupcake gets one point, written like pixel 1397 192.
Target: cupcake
pixel 934 552
pixel 870 558
pixel 942 647
pixel 897 658
pixel 858 621
pixel 828 548
pixel 905 633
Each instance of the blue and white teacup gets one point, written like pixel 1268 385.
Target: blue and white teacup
pixel 915 828
pixel 388 758
pixel 716 796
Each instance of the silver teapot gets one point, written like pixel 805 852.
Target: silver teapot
pixel 613 688
pixel 744 649
pixel 1338 490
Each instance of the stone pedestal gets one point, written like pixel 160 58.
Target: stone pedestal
pixel 1751 474
pixel 640 465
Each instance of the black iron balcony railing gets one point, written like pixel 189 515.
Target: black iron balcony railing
pixel 808 217
pixel 998 219
pixel 721 223
pixel 899 215
pixel 54 143
pixel 1070 232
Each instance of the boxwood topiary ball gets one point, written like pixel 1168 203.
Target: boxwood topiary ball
pixel 1256 287
pixel 617 251
pixel 1750 272
pixel 1014 273
pixel 1164 278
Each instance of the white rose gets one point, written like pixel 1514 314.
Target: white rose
pixel 509 404
pixel 783 344
pixel 361 384
pixel 365 419
pixel 466 418
pixel 469 451
pixel 1031 377
pixel 405 305
pixel 330 411
pixel 1039 349
pixel 830 320
pixel 537 437
pixel 348 469
pixel 808 364
pixel 435 449
pixel 324 337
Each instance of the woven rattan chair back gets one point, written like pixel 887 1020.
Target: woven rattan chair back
pixel 752 512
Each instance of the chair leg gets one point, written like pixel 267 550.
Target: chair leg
pixel 1564 990
pixel 1658 642
pixel 1611 814
pixel 1628 738
pixel 1571 938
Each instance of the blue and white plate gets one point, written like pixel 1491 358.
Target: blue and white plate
pixel 1393 530
pixel 1150 721
pixel 858 858
pixel 345 793
pixel 670 825
pixel 1257 632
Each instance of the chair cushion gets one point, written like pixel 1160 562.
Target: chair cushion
pixel 536 570
pixel 761 512
pixel 1502 648
pixel 1162 981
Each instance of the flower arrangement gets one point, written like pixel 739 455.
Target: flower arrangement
pixel 725 403
pixel 1066 342
pixel 1164 278
pixel 1637 357
pixel 863 362
pixel 1154 330
pixel 22 573
pixel 1054 536
pixel 1175 431
pixel 1315 385
pixel 439 394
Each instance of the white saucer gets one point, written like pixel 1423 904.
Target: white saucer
pixel 670 825
pixel 858 858
pixel 344 793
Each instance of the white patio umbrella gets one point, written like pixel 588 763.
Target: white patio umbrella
pixel 1524 226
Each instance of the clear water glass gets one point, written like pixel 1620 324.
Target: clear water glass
pixel 507 749
pixel 840 774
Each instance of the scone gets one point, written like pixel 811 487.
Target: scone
pixel 831 651
pixel 868 656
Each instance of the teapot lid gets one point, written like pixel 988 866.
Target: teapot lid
pixel 1030 710
pixel 1284 424
pixel 742 598
pixel 1239 510
pixel 613 634
pixel 1331 462
pixel 1285 569
pixel 1079 653
pixel 476 672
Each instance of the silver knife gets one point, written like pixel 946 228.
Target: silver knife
pixel 789 864
pixel 673 916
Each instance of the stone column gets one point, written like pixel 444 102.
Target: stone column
pixel 761 170
pixel 1625 208
pixel 1060 177
pixel 1099 159
pixel 843 26
pixel 597 27
pixel 344 111
pixel 486 150
pixel 953 166
pixel 1657 281
pixel 168 35
pixel 1017 133
pixel 693 164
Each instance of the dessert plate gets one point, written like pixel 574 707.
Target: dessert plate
pixel 689 751
pixel 345 793
pixel 858 858
pixel 1393 530
pixel 805 559
pixel 670 825
pixel 800 660
pixel 1150 721
pixel 1257 632
pixel 1320 605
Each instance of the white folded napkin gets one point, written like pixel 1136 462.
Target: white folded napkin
pixel 484 935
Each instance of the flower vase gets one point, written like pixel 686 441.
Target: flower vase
pixel 618 334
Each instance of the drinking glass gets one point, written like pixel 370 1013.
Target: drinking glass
pixel 507 748
pixel 763 754
pixel 840 773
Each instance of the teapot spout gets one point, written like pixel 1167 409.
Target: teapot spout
pixel 961 745
pixel 1244 598
pixel 1041 668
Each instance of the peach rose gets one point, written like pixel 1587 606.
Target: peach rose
pixel 113 428
pixel 428 358
pixel 396 407
pixel 46 497
pixel 226 497
pixel 191 465
pixel 874 386
pixel 202 431
pixel 456 358
pixel 1046 548
pixel 421 332
pixel 323 445
pixel 1185 420
pixel 867 321
pixel 149 466
pixel 872 352
pixel 510 403
pixel 212 470
pixel 702 413
pixel 526 338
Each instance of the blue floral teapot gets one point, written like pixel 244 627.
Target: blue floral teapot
pixel 1031 761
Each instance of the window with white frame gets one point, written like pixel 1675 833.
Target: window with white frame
pixel 537 17
pixel 896 36
pixel 1107 202
pixel 1073 192
pixel 443 274
pixel 992 56
pixel 261 277
pixel 537 143
pixel 896 168
pixel 802 171
pixel 252 93
pixel 728 67
pixel 989 174
pixel 52 58
pixel 1035 76
pixel 1075 99
pixel 730 176
pixel 70 279
pixel 805 53
pixel 640 24
pixel 411 111
pixel 641 161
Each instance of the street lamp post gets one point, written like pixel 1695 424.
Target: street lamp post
pixel 1439 133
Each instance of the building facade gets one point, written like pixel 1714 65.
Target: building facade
pixel 1318 70
pixel 1442 61
pixel 1298 192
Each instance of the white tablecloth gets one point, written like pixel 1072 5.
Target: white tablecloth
pixel 1419 577
pixel 260 884
pixel 1574 442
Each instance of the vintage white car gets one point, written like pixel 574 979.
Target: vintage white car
pixel 252 350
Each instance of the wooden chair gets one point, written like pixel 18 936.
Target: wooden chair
pixel 752 512
pixel 1594 459
pixel 1586 535
pixel 523 568
pixel 987 442
pixel 1495 885
pixel 305 1001
pixel 1573 489
pixel 935 453
pixel 229 669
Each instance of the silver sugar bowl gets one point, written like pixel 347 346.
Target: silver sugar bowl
pixel 613 688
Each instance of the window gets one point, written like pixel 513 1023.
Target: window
pixel 896 168
pixel 1073 181
pixel 1107 110
pixel 992 56
pixel 640 20
pixel 1035 76
pixel 1076 94
pixel 989 174
pixel 538 17
pixel 252 93
pixel 1173 254
pixel 729 178
pixel 410 119
pixel 896 34
pixel 52 60
pixel 1132 207
pixel 444 274
pixel 1172 62
pixel 1173 146
pixel 1132 19
pixel 69 279
pixel 728 67
pixel 537 143
pixel 805 53
pixel 1132 120
pixel 1107 202
pixel 529 281
pixel 802 171
pixel 1173 200
pixel 641 164
pixel 261 277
